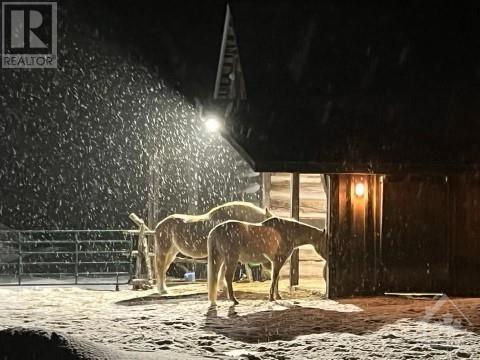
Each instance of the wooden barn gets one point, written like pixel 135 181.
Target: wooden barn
pixel 382 102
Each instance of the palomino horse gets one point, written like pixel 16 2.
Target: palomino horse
pixel 188 234
pixel 274 240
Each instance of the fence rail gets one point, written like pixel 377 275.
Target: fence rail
pixel 47 254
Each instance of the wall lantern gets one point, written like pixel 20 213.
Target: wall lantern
pixel 359 189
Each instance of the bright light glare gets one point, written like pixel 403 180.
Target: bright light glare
pixel 212 124
pixel 359 189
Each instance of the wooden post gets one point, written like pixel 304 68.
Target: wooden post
pixel 76 258
pixel 266 187
pixel 143 251
pixel 333 234
pixel 150 221
pixel 324 181
pixel 146 253
pixel 328 191
pixel 138 270
pixel 151 177
pixel 294 213
pixel 152 209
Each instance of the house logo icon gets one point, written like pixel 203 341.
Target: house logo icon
pixel 445 310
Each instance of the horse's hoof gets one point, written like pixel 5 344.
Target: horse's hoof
pixel 235 302
pixel 271 299
pixel 163 291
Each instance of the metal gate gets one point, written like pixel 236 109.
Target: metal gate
pixel 65 257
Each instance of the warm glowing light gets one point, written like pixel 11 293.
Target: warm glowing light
pixel 212 124
pixel 359 189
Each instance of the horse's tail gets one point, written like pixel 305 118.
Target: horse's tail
pixel 214 263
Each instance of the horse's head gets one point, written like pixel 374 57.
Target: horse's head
pixel 308 234
pixel 320 243
pixel 299 233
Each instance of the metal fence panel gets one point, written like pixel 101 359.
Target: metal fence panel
pixel 65 257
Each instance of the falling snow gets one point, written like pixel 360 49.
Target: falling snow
pixel 82 140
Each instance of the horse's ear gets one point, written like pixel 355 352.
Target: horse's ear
pixel 268 213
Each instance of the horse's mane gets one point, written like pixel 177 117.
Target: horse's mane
pixel 233 203
pixel 192 218
pixel 273 219
pixel 206 216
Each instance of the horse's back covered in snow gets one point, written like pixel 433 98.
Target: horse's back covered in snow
pixel 188 234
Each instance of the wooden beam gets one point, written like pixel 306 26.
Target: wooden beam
pixel 295 195
pixel 138 267
pixel 151 195
pixel 143 251
pixel 323 180
pixel 266 187
pixel 333 234
pixel 295 213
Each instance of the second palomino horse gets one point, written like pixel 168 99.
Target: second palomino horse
pixel 272 240
pixel 188 234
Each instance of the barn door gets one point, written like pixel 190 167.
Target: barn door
pixel 414 234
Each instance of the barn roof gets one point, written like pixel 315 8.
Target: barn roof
pixel 351 87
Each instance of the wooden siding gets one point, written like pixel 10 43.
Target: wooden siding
pixel 464 231
pixel 431 234
pixel 353 236
pixel 410 233
pixel 415 243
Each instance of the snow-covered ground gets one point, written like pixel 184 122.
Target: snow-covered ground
pixel 302 326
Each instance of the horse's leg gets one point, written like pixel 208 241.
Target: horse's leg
pixel 248 270
pixel 277 293
pixel 212 279
pixel 276 266
pixel 160 260
pixel 221 278
pixel 214 264
pixel 164 259
pixel 230 267
pixel 171 255
pixel 163 245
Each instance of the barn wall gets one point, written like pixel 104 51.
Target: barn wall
pixel 353 235
pixel 415 241
pixel 431 234
pixel 408 234
pixel 464 232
